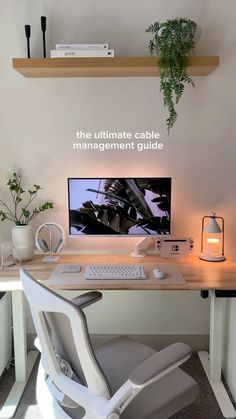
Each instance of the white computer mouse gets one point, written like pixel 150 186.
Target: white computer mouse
pixel 159 273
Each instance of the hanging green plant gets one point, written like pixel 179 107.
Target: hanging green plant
pixel 173 42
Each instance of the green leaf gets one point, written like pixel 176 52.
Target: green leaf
pixel 37 187
pixel 173 41
pixel 26 213
pixel 16 191
pixel 2 216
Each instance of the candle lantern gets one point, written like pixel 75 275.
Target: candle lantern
pixel 212 238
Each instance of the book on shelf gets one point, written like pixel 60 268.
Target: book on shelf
pixel 61 53
pixel 82 46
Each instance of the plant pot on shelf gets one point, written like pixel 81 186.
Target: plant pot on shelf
pixel 23 242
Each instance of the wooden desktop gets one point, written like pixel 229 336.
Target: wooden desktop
pixel 198 274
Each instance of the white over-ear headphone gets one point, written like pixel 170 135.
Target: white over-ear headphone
pixel 49 247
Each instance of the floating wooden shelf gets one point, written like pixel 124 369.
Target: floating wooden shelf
pixel 106 67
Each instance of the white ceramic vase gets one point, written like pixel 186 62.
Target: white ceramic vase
pixel 23 242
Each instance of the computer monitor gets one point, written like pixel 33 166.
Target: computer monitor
pixel 119 206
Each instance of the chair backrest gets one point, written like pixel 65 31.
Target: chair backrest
pixel 62 331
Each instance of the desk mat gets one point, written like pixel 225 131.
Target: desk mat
pixel 173 276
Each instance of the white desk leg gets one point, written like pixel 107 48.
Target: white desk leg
pixel 213 364
pixel 23 363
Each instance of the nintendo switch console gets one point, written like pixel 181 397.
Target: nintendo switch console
pixel 174 246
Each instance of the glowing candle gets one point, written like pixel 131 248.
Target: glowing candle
pixel 213 245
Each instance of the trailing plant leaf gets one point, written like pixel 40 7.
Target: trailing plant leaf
pixel 173 41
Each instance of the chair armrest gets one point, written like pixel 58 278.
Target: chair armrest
pixel 149 371
pixel 84 300
pixel 160 364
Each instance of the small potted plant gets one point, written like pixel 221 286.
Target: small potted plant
pixel 22 213
pixel 173 42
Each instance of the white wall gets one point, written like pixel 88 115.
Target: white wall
pixel 39 117
pixel 147 313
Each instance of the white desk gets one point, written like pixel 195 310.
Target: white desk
pixel 24 362
pixel 199 275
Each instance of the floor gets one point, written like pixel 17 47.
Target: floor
pixel 204 408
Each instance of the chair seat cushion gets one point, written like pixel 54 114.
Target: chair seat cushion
pixel 159 400
pixel 118 357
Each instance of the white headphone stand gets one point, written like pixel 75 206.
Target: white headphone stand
pixel 42 246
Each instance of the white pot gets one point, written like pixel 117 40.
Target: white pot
pixel 23 242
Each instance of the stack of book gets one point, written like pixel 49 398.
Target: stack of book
pixel 81 50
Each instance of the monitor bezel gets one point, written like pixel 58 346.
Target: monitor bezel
pixel 116 235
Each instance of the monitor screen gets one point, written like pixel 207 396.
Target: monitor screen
pixel 124 206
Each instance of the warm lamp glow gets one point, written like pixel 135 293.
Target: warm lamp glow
pixel 212 238
pixel 213 245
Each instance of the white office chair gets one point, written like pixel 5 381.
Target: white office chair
pixel 121 379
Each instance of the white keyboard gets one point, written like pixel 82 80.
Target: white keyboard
pixel 114 272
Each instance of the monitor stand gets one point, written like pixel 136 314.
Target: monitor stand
pixel 141 245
